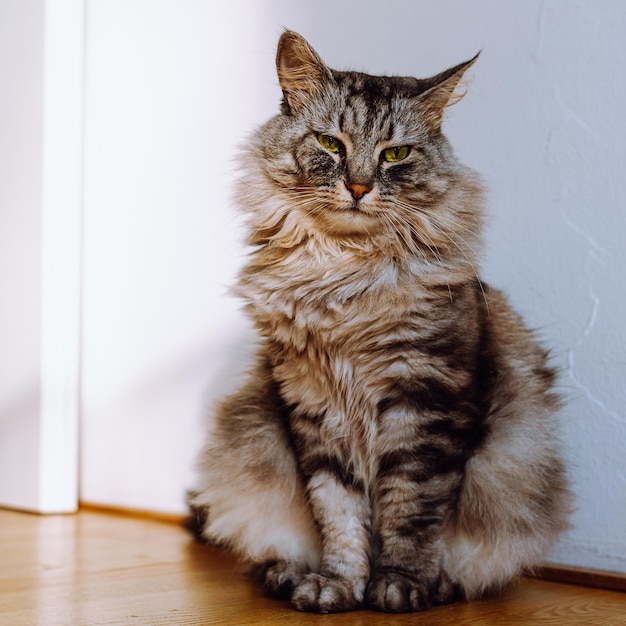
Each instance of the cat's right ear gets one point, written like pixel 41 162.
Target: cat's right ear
pixel 301 72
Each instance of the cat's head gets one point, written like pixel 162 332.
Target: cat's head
pixel 355 158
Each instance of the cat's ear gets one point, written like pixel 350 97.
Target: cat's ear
pixel 301 72
pixel 442 94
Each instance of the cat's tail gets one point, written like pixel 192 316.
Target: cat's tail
pixel 197 518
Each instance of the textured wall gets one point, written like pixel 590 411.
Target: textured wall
pixel 172 86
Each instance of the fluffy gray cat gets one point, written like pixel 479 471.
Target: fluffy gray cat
pixel 392 447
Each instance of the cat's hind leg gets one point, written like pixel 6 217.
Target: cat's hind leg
pixel 249 497
pixel 514 500
pixel 513 505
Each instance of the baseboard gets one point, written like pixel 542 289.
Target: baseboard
pixel 599 579
pixel 157 516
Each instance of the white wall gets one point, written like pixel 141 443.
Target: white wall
pixel 171 87
pixel 160 242
pixel 21 141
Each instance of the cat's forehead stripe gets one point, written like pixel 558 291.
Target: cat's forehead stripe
pixel 368 105
pixel 367 119
pixel 359 116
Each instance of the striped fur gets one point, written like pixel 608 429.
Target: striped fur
pixel 393 445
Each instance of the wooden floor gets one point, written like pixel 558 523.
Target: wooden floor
pixel 96 568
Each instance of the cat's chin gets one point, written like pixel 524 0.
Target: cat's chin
pixel 346 222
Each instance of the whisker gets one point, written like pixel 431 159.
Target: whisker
pixel 418 233
pixel 399 229
pixel 458 225
pixel 412 236
pixel 441 220
pixel 442 230
pixel 438 222
pixel 432 248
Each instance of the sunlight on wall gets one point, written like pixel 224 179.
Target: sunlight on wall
pixel 167 98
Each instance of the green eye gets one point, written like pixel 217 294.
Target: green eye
pixel 395 154
pixel 332 144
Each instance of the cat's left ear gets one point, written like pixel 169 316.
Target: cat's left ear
pixel 301 72
pixel 442 94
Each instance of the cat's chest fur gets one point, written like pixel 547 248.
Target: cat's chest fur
pixel 345 331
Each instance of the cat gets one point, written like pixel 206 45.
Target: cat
pixel 393 445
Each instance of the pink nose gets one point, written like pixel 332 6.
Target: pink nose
pixel 358 191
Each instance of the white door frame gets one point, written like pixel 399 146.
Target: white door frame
pixel 64 52
pixel 42 475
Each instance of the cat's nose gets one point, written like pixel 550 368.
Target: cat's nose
pixel 358 191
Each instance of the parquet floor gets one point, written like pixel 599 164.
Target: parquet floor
pixel 96 568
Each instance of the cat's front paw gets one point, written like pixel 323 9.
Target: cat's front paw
pixel 281 578
pixel 319 594
pixel 398 592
